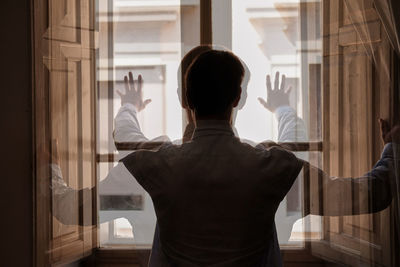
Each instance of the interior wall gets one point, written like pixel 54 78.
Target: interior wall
pixel 16 135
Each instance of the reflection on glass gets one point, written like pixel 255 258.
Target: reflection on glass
pixel 269 36
pixel 342 71
pixel 144 37
pixel 274 43
pixel 122 228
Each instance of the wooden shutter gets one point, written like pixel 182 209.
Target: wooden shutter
pixel 65 129
pixel 356 92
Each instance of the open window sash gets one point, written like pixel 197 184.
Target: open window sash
pixel 357 90
pixel 64 99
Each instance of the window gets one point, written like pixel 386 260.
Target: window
pixel 149 38
pixel 340 57
pixel 274 42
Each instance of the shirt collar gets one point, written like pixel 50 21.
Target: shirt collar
pixel 212 127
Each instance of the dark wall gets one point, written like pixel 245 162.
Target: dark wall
pixel 16 134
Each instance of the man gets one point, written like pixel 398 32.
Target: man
pixel 218 132
pixel 215 197
pixel 127 130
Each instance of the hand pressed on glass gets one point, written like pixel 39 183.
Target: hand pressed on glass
pixel 133 94
pixel 279 96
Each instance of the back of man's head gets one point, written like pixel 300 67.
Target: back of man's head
pixel 213 82
pixel 186 61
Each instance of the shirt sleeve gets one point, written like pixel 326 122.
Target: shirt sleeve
pixel 146 166
pixel 137 165
pixel 127 128
pixel 65 199
pixel 291 128
pixel 287 167
pixel 351 196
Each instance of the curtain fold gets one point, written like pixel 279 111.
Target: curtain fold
pixel 389 14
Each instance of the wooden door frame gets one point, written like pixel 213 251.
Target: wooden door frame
pixel 395 119
pixel 40 89
pixel 41 131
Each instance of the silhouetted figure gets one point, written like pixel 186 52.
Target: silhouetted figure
pixel 215 197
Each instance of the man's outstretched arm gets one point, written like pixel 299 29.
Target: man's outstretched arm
pixel 127 128
pixel 367 194
pixel 291 128
pixel 118 181
pixel 335 196
pixel 127 132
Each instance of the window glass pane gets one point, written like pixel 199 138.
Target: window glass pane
pixel 147 38
pixel 271 36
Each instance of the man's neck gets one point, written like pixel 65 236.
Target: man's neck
pixel 222 118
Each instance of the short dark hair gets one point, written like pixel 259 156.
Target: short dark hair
pixel 186 61
pixel 213 82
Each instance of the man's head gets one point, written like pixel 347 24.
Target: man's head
pixel 187 60
pixel 213 83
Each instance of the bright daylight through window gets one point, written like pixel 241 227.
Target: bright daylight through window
pixel 150 38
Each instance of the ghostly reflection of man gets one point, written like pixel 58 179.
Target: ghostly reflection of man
pixel 127 129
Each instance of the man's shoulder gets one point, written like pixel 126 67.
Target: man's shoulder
pixel 159 149
pixel 277 156
pixel 272 148
pixel 286 161
pixel 266 153
pixel 149 162
pixel 279 151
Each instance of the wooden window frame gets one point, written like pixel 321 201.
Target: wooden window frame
pixel 132 254
pixel 79 34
